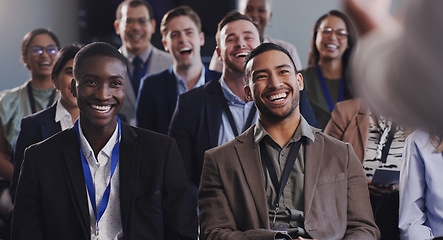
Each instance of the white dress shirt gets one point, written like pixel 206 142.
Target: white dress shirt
pixel 63 116
pixel 421 191
pixel 110 226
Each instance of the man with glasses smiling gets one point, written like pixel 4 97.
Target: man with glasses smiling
pixel 135 25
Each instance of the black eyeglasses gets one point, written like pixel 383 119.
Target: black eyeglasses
pixel 38 50
pixel 340 33
pixel 131 21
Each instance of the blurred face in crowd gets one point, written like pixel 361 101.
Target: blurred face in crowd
pixel 40 55
pixel 135 28
pixel 237 39
pixel 183 40
pixel 274 85
pixel 332 38
pixel 62 82
pixel 258 10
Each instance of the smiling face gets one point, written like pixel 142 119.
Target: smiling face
pixel 258 10
pixel 330 46
pixel 237 39
pixel 183 40
pixel 40 63
pixel 135 28
pixel 100 91
pixel 62 82
pixel 273 85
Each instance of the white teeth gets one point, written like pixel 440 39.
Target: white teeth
pixel 185 49
pixel 45 63
pixel 332 46
pixel 101 108
pixel 136 36
pixel 278 96
pixel 242 54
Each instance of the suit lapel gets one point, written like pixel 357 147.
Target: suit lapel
pixel 250 161
pixel 127 167
pixel 49 126
pixel 313 161
pixel 213 112
pixel 75 179
pixel 170 91
pixel 363 126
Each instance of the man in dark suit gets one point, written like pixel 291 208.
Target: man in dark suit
pixel 282 179
pixel 103 177
pixel 157 98
pixel 216 112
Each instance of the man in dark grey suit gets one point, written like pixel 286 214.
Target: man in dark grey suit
pixel 282 179
pixel 135 24
pixel 103 177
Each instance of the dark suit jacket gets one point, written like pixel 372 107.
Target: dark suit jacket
pixel 157 99
pixel 196 123
pixel 52 203
pixel 232 197
pixel 33 129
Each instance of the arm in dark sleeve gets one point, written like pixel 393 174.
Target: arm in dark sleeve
pixel 179 205
pixel 27 217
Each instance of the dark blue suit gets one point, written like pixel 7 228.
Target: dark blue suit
pixel 157 99
pixel 196 123
pixel 33 128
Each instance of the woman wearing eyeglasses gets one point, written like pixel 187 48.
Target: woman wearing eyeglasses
pixel 39 48
pixel 325 81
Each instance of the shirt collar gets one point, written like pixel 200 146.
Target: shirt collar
pixel 130 56
pixel 303 129
pixel 61 112
pixel 229 95
pixel 89 152
pixel 200 82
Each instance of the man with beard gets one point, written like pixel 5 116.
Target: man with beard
pixel 282 179
pixel 218 111
pixel 135 25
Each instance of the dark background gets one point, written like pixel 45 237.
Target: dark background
pixel 97 18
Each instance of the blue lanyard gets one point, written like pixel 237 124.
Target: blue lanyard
pixel 326 91
pixel 145 67
pixel 88 176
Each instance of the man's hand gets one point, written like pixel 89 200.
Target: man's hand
pixel 379 190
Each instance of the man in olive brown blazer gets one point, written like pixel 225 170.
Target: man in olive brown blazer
pixel 323 193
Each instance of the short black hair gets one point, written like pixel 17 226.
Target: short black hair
pixel 264 47
pixel 133 4
pixel 96 49
pixel 63 56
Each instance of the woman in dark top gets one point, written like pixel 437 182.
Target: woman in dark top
pixel 333 38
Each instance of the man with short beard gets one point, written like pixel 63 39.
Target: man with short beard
pixel 282 179
pixel 218 111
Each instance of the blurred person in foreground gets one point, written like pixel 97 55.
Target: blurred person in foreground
pixel 397 66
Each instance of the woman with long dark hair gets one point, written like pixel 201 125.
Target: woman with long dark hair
pixel 333 39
